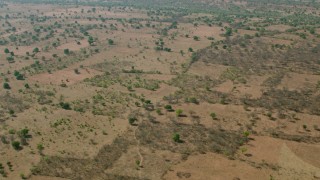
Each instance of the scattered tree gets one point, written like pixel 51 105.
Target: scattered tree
pixel 10 59
pixel 168 107
pixel 90 40
pixel 76 71
pixel 6 85
pixel 132 120
pixel 27 86
pixel 196 38
pixel 304 126
pixel 36 50
pixel 18 75
pixel 228 31
pixel 66 51
pixel 65 105
pixel 6 50
pixel 110 42
pixel 24 133
pixel 16 145
pixel 11 112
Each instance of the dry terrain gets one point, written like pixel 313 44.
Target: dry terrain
pixel 167 89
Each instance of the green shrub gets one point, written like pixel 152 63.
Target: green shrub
pixel 40 147
pixel 132 120
pixel 16 145
pixel 65 106
pixel 24 133
pixel 179 112
pixel 168 107
pixel 110 42
pixel 66 51
pixel 12 131
pixel 10 58
pixel 176 137
pixel 6 85
pixel 159 111
pixel 36 50
pixel 27 86
pixel 11 112
pixel 6 50
pixel 213 116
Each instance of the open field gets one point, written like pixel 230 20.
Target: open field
pixel 167 89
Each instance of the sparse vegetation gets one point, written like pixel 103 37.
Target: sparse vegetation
pixel 156 87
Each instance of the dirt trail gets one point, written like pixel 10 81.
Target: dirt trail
pixel 138 150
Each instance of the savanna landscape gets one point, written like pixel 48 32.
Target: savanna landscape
pixel 150 89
